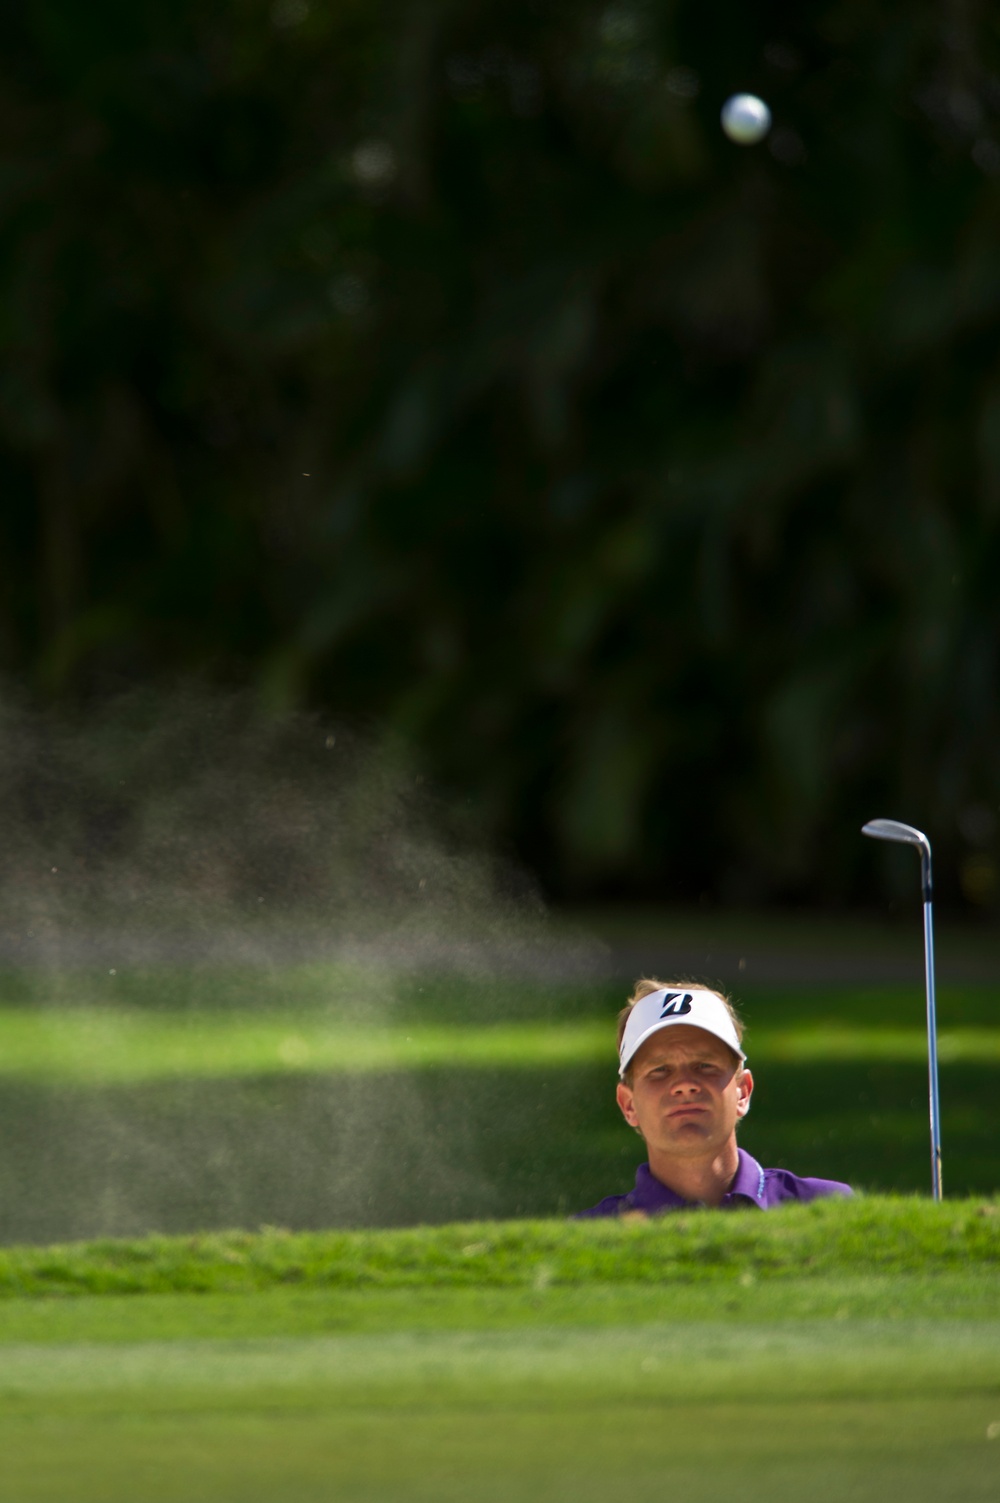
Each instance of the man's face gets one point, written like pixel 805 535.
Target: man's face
pixel 687 1094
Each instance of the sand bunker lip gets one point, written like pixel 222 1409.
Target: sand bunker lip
pixel 866 1235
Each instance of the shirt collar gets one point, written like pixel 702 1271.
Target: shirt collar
pixel 651 1195
pixel 749 1182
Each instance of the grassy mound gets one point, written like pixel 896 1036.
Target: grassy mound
pixel 832 1237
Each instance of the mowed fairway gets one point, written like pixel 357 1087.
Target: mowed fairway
pixel 839 1352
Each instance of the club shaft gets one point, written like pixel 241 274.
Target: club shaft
pixel 932 1051
pixel 893 829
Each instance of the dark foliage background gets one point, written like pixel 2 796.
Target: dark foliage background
pixel 443 366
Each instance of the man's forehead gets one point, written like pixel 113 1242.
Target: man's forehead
pixel 683 1039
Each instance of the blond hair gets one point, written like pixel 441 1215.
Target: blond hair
pixel 649 984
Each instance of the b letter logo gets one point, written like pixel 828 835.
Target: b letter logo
pixel 676 1004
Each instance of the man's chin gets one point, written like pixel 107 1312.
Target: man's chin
pixel 691 1135
pixel 699 1123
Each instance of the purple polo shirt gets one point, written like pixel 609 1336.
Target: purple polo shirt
pixel 753 1186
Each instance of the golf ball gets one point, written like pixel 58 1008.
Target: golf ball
pixel 746 119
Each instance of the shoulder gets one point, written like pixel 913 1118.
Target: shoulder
pixel 648 1197
pixel 611 1205
pixel 782 1184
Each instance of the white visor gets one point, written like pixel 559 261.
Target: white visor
pixel 662 1009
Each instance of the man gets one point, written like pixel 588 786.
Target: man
pixel 684 1086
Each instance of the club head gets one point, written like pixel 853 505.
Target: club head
pixel 891 829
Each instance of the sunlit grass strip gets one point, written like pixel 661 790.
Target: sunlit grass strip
pixel 905 1045
pixel 877 1234
pixel 101 1045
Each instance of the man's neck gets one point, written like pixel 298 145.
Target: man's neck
pixel 703 1180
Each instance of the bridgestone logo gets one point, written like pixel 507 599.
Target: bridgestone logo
pixel 676 1004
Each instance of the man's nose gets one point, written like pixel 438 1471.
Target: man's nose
pixel 685 1081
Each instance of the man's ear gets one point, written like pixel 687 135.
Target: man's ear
pixel 626 1104
pixel 746 1091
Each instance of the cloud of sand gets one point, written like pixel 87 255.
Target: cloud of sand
pixel 188 834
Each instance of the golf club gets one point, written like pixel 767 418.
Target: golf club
pixel 891 829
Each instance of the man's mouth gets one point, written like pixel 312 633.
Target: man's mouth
pixel 686 1111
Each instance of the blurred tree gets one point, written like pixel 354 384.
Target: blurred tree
pixel 444 364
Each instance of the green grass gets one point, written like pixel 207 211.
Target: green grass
pixel 105 1045
pixel 468 1368
pixel 877 1234
pixel 831 1352
pixel 322 1095
pixel 149 1037
pixel 532 1446
pixel 291 1310
pixel 463 1138
pixel 838 1352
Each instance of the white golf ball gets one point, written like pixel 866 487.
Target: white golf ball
pixel 746 119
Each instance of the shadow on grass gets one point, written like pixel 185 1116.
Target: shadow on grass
pixel 437 1145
